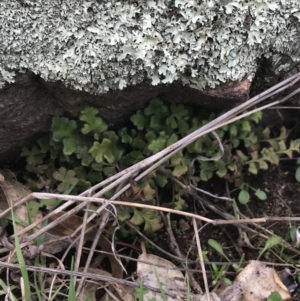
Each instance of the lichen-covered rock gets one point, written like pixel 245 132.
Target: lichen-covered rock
pixel 98 45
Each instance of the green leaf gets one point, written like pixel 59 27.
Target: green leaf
pixel 261 194
pixel 172 139
pixel 157 144
pixel 253 168
pixel 266 133
pixel 218 247
pixel 48 202
pixel 44 144
pixel 33 156
pixel 275 296
pixel 156 123
pixel 66 177
pixel 180 203
pixel 176 159
pixel 235 142
pixel 93 123
pixel 140 292
pixel 69 146
pixel 148 192
pixel 161 180
pixel 196 147
pixel 246 126
pixel 97 166
pixel 233 130
pixel 156 107
pixel 227 281
pixel 183 126
pixel 21 261
pixel 178 112
pixel 139 120
pixel 242 156
pixel 62 127
pixel 149 217
pixel 244 197
pixel 124 136
pixel 270 243
pixel 297 175
pixel 103 150
pixel 138 143
pixel 123 213
pixel 222 171
pixel 82 153
pixel 109 170
pixel 270 155
pixel 171 121
pixel 94 176
pixel 263 164
pixel 136 155
pixel 150 136
pixel 179 170
pixel 206 175
pixel 256 117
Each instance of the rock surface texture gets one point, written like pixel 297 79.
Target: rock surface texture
pixel 57 56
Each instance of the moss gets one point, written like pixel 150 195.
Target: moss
pixel 100 45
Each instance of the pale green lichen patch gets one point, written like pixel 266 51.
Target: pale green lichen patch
pixel 100 45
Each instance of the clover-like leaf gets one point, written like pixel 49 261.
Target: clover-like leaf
pixel 107 149
pixel 179 203
pixel 93 123
pixel 222 169
pixel 123 213
pixel 233 130
pixel 161 180
pixel 103 150
pixel 156 144
pixel 195 147
pixel 156 107
pixel 243 157
pixel 150 218
pixel 109 170
pixel 139 120
pixel 183 126
pixel 172 139
pixel 125 137
pixel 69 146
pixel 66 177
pixel 62 127
pixel 246 126
pixel 206 174
pixel 176 159
pixel 148 192
pixel 82 153
pixel 94 176
pixel 156 123
pixel 178 112
pixel 44 144
pixel 179 170
pixel 270 155
pixel 131 158
pixel 256 117
pixel 138 143
pixel 33 156
pixel 253 168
